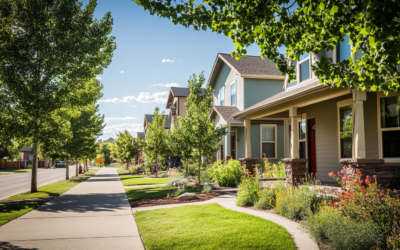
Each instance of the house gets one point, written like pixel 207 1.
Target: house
pixel 149 119
pixel 177 98
pixel 109 140
pixel 239 85
pixel 139 156
pixel 329 129
pixel 26 153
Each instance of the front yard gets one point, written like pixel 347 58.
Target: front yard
pixel 209 227
pixel 140 180
pixel 152 192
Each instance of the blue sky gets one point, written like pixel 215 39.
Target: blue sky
pixel 136 81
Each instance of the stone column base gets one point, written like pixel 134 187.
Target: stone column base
pixel 248 162
pixel 370 167
pixel 295 170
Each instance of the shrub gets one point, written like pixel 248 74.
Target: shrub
pixel 207 188
pixel 266 198
pixel 177 181
pixel 226 175
pixel 248 190
pixel 178 191
pixel 272 169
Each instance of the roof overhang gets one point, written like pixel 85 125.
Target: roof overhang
pixel 170 98
pixel 264 77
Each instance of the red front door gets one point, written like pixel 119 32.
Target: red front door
pixel 312 156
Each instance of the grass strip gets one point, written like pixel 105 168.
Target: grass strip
pixel 4 173
pixel 139 180
pixel 16 170
pixel 209 227
pixel 54 189
pixel 135 194
pixel 123 171
pixel 11 212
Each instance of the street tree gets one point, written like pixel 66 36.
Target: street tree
pixel 178 146
pixel 196 130
pixel 125 147
pixel 154 145
pixel 304 26
pixel 105 152
pixel 49 51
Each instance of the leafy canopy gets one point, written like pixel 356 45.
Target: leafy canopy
pixel 125 149
pixel 310 26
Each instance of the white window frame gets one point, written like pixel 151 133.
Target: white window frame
pixel 276 139
pixel 380 143
pixel 340 104
pixel 222 90
pixel 230 89
pixel 305 139
pixel 298 69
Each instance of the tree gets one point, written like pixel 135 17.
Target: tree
pixel 50 51
pixel 105 151
pixel 125 147
pixel 196 129
pixel 178 146
pixel 308 27
pixel 154 145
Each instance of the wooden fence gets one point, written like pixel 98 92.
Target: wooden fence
pixel 4 164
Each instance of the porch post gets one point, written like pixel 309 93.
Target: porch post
pixel 227 148
pixel 294 144
pixel 358 125
pixel 248 140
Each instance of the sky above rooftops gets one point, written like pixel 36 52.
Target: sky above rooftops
pixel 152 55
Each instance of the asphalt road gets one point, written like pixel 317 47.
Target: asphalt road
pixel 21 182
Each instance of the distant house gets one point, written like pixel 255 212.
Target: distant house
pixel 139 156
pixel 149 119
pixel 26 153
pixel 100 141
pixel 109 140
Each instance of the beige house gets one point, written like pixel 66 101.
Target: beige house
pixel 328 129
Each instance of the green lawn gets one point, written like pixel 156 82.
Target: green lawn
pixel 4 173
pixel 209 227
pixel 10 212
pixel 16 170
pixel 49 190
pixel 139 180
pixel 152 192
pixel 123 171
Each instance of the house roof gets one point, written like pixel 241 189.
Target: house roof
pixel 247 67
pixel 149 119
pixel 109 140
pixel 141 135
pixel 178 92
pixel 226 112
pixel 284 96
pixel 26 149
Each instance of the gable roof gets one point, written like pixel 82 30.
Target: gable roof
pixel 26 148
pixel 149 119
pixel 141 135
pixel 178 92
pixel 226 113
pixel 109 140
pixel 247 67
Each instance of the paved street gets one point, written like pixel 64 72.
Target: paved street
pixel 93 215
pixel 21 182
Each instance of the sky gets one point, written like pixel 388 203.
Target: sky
pixel 152 55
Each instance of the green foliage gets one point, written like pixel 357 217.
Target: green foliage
pixel 178 191
pixel 139 180
pixel 207 188
pixel 179 181
pixel 272 169
pixel 125 147
pixel 309 27
pixel 226 175
pixel 248 190
pixel 105 152
pixel 266 198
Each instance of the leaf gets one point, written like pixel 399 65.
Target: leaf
pixel 372 42
pixel 322 6
pixel 334 10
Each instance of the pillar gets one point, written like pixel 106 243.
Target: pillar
pixel 227 147
pixel 358 124
pixel 294 144
pixel 247 125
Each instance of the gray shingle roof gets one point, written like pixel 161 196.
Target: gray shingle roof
pixel 226 112
pixel 177 91
pixel 149 119
pixel 141 135
pixel 252 65
pixel 26 149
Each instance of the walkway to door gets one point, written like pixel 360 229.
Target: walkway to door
pixel 93 215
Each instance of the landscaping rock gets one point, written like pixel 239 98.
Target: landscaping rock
pixel 187 196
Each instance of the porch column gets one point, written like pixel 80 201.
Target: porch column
pixel 227 148
pixel 287 141
pixel 358 124
pixel 294 144
pixel 248 140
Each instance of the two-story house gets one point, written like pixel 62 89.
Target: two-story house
pixel 238 85
pixel 328 129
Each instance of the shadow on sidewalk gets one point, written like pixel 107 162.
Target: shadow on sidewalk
pixel 8 246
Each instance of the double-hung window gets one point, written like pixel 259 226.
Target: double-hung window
pixel 390 126
pixel 302 139
pixel 345 115
pixel 304 67
pixel 268 141
pixel 343 50
pixel 233 93
pixel 222 96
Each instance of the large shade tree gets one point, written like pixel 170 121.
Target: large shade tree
pixel 125 147
pixel 50 50
pixel 304 26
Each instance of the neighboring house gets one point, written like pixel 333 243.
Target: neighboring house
pixel 149 119
pixel 109 140
pixel 238 85
pixel 176 103
pixel 329 128
pixel 139 156
pixel 26 153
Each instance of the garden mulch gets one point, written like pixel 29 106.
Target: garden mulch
pixel 174 200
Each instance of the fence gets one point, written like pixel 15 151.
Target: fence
pixel 4 164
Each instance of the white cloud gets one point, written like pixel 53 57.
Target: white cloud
pixel 132 128
pixel 160 97
pixel 181 60
pixel 167 85
pixel 134 106
pixel 98 77
pixel 167 60
pixel 107 119
pixel 122 72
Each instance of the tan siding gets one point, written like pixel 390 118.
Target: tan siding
pixel 371 126
pixel 182 107
pixel 240 93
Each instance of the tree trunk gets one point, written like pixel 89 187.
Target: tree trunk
pixel 157 167
pixel 87 168
pixel 76 167
pixel 67 169
pixel 199 174
pixel 187 169
pixel 34 168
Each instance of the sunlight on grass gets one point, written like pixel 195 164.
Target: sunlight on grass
pixel 209 227
pixel 152 192
pixel 139 180
pixel 16 170
pixel 11 212
pixel 123 171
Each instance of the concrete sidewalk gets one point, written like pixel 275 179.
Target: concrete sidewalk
pixel 93 215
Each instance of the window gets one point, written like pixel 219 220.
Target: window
pixel 343 50
pixel 233 94
pixel 304 67
pixel 222 96
pixel 268 141
pixel 302 139
pixel 346 131
pixel 390 126
pixel 294 83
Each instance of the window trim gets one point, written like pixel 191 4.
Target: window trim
pixel 298 72
pixel 380 143
pixel 276 139
pixel 222 90
pixel 234 82
pixel 305 138
pixel 340 104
